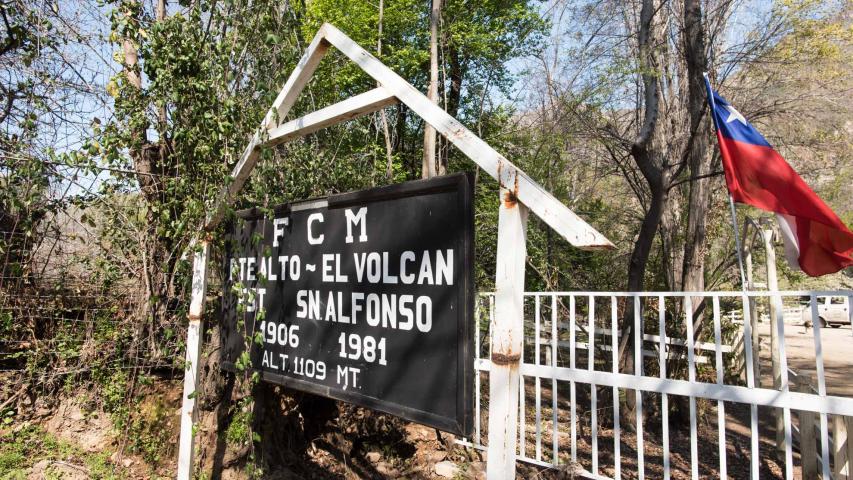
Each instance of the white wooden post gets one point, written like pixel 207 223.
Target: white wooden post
pixel 753 317
pixel 808 449
pixel 850 311
pixel 507 336
pixel 839 441
pixel 194 332
pixel 848 444
pixel 775 304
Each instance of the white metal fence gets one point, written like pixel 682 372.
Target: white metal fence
pixel 700 412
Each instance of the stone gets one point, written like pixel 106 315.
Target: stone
pixel 436 456
pixel 446 469
pixel 17 428
pixel 373 457
pixel 387 470
pixel 57 469
pixel 477 469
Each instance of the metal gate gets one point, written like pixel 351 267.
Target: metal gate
pixel 570 375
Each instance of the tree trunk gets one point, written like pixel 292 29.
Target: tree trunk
pixel 672 240
pixel 456 75
pixel 454 94
pixel 655 170
pixel 389 158
pixel 148 162
pixel 645 239
pixel 430 167
pixel 698 157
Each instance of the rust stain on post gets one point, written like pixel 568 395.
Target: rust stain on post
pixel 511 196
pixel 193 317
pixel 510 199
pixel 505 359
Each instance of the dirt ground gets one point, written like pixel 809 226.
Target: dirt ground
pixel 431 457
pixel 737 438
pixel 800 352
pixel 87 433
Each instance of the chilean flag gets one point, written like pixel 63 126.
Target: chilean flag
pixel 816 240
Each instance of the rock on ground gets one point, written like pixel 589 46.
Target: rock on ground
pixel 446 469
pixel 57 469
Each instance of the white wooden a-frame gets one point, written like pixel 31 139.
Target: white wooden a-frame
pixel 518 194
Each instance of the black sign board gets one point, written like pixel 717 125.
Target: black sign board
pixel 365 297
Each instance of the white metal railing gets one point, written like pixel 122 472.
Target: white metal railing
pixel 559 349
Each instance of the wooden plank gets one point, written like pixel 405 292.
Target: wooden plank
pixel 348 109
pixel 839 456
pixel 516 182
pixel 522 414
pixel 572 386
pixel 699 359
pixel 776 342
pixel 691 375
pixel 750 383
pixel 720 293
pixel 664 398
pixel 766 397
pixel 808 449
pixel 850 311
pixel 507 333
pixel 614 348
pixel 784 387
pixel 848 447
pixel 821 388
pixel 593 389
pixel 477 354
pixel 647 337
pixel 279 110
pixel 537 351
pixel 721 406
pixel 638 394
pixel 555 437
pixel 189 416
pixel 843 447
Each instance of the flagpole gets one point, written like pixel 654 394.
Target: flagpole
pixel 731 199
pixel 737 243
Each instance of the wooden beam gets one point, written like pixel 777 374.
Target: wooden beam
pixel 279 110
pixel 518 184
pixel 348 109
pixel 189 416
pixel 808 449
pixel 507 333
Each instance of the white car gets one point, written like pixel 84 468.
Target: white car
pixel 832 311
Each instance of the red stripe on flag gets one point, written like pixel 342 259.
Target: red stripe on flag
pixel 759 176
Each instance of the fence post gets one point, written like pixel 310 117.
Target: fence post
pixel 848 445
pixel 839 441
pixel 850 311
pixel 194 334
pixel 773 286
pixel 753 317
pixel 808 449
pixel 507 337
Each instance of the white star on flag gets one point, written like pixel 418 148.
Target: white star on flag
pixel 734 115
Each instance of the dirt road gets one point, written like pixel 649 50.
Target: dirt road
pixel 837 346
